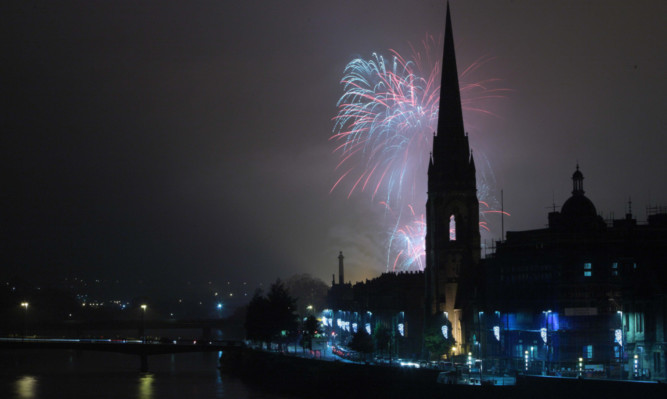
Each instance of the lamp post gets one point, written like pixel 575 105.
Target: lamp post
pixel 143 325
pixel 479 340
pixel 546 338
pixel 621 344
pixel 25 318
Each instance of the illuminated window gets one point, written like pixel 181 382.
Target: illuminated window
pixel 614 269
pixel 588 269
pixel 452 228
pixel 588 351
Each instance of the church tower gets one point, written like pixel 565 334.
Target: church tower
pixel 452 208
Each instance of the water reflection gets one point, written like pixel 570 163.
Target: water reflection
pixel 146 386
pixel 26 387
pixel 83 375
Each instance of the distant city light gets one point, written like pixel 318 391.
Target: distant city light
pixel 354 327
pixel 543 334
pixel 445 331
pixel 618 336
pixel 219 306
pixel 496 332
pixel 401 329
pixel 368 328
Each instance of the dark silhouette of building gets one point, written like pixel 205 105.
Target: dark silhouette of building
pixel 581 291
pixel 452 208
pixel 394 300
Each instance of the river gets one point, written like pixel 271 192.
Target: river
pixel 34 374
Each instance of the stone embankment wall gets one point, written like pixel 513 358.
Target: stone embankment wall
pixel 309 378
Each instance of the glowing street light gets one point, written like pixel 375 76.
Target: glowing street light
pixel 25 318
pixel 143 325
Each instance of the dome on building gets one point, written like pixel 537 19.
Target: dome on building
pixel 578 212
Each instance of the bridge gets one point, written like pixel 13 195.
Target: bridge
pixel 79 328
pixel 133 347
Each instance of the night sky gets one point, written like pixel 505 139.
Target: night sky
pixel 170 141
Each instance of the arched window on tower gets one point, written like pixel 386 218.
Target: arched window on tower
pixel 452 228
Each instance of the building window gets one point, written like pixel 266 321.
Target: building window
pixel 588 269
pixel 588 351
pixel 639 322
pixel 452 228
pixel 614 269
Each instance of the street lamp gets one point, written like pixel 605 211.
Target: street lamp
pixel 621 342
pixel 479 334
pixel 143 325
pixel 25 318
pixel 546 337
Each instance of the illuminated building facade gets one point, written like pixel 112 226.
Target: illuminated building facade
pixel 582 292
pixel 394 300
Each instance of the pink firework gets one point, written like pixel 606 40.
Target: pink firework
pixel 383 133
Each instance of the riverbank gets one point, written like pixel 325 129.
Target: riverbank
pixel 303 377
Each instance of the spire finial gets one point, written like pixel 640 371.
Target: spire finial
pixel 450 115
pixel 577 182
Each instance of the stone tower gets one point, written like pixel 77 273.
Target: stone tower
pixel 452 208
pixel 341 269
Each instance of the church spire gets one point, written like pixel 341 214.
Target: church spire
pixel 451 164
pixel 451 115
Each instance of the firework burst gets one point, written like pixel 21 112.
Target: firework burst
pixel 383 133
